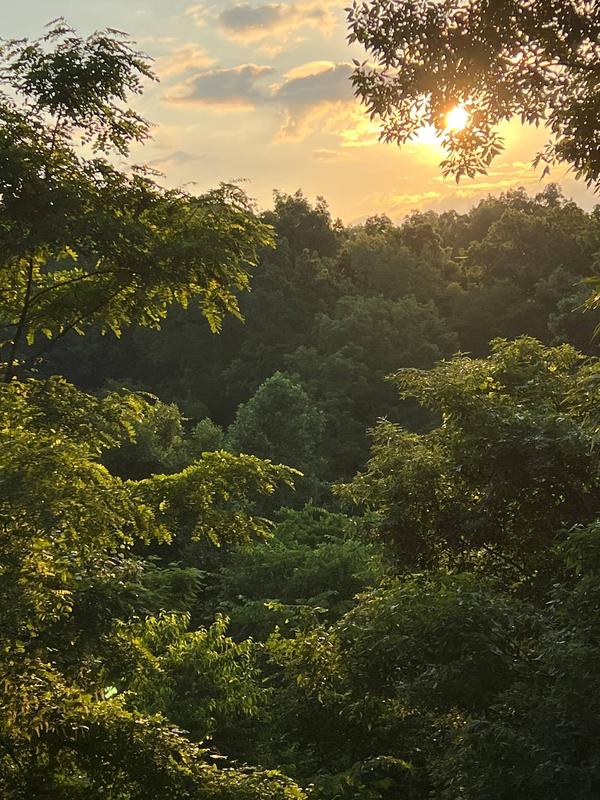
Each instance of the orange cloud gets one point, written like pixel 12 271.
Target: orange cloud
pixel 309 69
pixel 310 96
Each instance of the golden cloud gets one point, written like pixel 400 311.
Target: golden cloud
pixel 183 59
pixel 308 70
pixel 175 159
pixel 270 26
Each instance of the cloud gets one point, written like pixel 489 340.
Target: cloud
pixel 252 23
pixel 310 96
pixel 183 59
pixel 308 69
pixel 356 129
pixel 500 176
pixel 314 83
pixel 341 116
pixel 235 88
pixel 177 158
pixel 199 13
pixel 270 26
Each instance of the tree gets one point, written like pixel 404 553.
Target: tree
pixel 537 60
pixel 83 636
pixel 394 679
pixel 310 570
pixel 83 241
pixel 527 246
pixel 445 685
pixel 512 463
pixel 77 717
pixel 346 364
pixel 301 226
pixel 280 422
pixel 380 259
pixel 468 673
pixel 163 443
pixel 512 265
pixel 522 263
pixel 545 723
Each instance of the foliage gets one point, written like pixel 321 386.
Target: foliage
pixel 82 241
pixel 473 677
pixel 310 570
pixel 338 324
pixel 412 661
pixel 536 60
pixel 443 643
pixel 301 226
pixel 442 684
pixel 279 422
pixel 350 354
pixel 162 444
pixel 201 680
pixel 90 669
pixel 511 464
pixel 68 595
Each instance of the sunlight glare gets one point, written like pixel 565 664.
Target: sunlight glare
pixel 457 118
pixel 427 135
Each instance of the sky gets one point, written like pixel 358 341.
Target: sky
pixel 260 92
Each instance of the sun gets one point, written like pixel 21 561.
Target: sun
pixel 457 118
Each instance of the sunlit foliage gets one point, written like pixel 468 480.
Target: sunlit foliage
pixel 82 240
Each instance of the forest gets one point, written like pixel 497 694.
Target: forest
pixel 289 509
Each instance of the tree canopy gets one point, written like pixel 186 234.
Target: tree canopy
pixel 91 661
pixel 183 618
pixel 536 60
pixel 84 241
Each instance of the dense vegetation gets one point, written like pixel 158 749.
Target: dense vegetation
pixel 409 607
pixel 333 311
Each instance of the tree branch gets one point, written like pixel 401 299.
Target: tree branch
pixel 9 371
pixel 68 328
